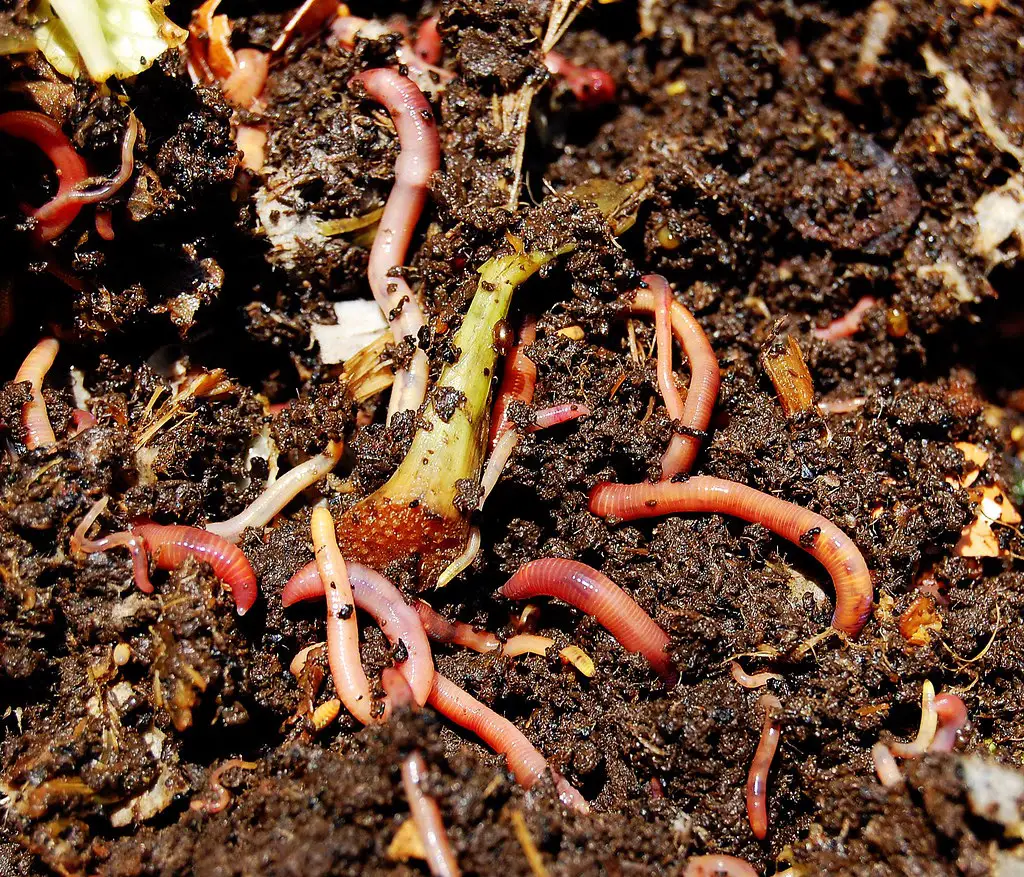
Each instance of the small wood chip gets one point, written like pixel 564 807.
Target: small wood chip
pixel 784 362
pixel 919 621
pixel 530 850
pixel 573 333
pixel 406 844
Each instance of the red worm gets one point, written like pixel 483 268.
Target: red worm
pixel 428 40
pixel 812 532
pixel 718 866
pixel 849 323
pixel 952 713
pixel 348 27
pixel 81 420
pixel 418 158
pixel 592 87
pixel 757 779
pixel 396 688
pixel 561 413
pixel 170 544
pixel 222 796
pixel 426 816
pixel 71 168
pixel 38 432
pixel 594 593
pixel 525 762
pixel 517 381
pixel 705 375
pixel 373 593
pixel 757 680
pixel 458 633
pixel 245 83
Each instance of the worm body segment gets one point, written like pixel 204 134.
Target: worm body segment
pixel 812 532
pixel 757 779
pixel 38 432
pixel 419 156
pixel 525 762
pixel 427 818
pixel 594 593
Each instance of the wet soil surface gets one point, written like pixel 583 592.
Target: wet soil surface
pixel 793 171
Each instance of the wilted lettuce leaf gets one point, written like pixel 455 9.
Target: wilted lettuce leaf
pixel 104 37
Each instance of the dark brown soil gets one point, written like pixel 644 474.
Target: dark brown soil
pixel 788 182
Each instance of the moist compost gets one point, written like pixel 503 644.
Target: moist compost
pixel 793 158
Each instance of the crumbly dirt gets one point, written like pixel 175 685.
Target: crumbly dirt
pixel 789 178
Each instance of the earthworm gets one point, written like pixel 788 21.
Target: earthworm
pixel 374 594
pixel 672 460
pixel 518 381
pixel 251 141
pixel 428 40
pixel 458 633
pixel 38 432
pixel 757 779
pixel 885 766
pixel 245 83
pixel 71 168
pixel 747 680
pixel 81 544
pixel 718 866
pixel 563 412
pixel 705 375
pixel 81 193
pixel 397 689
pixel 104 223
pixel 952 714
pixel 526 643
pixel 419 156
pixel 815 534
pixel 463 561
pixel 882 16
pixel 81 420
pixel 170 544
pixel 525 762
pixel 223 795
pixel 595 594
pixel 496 463
pixel 592 86
pixel 426 816
pixel 849 323
pixel 342 630
pixel 276 496
pixel 926 731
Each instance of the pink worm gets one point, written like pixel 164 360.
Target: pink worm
pixel 458 633
pixel 815 534
pixel 757 779
pixel 71 168
pixel 81 193
pixel 563 412
pixel 885 766
pixel 952 713
pixel 169 545
pixel 81 420
pixel 38 432
pixel 592 86
pixel 594 593
pixel 718 866
pixel 342 630
pixel 428 40
pixel 705 375
pixel 525 762
pixel 518 381
pixel 849 323
pixel 757 680
pixel 426 816
pixel 245 83
pixel 375 594
pixel 396 688
pixel 418 158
